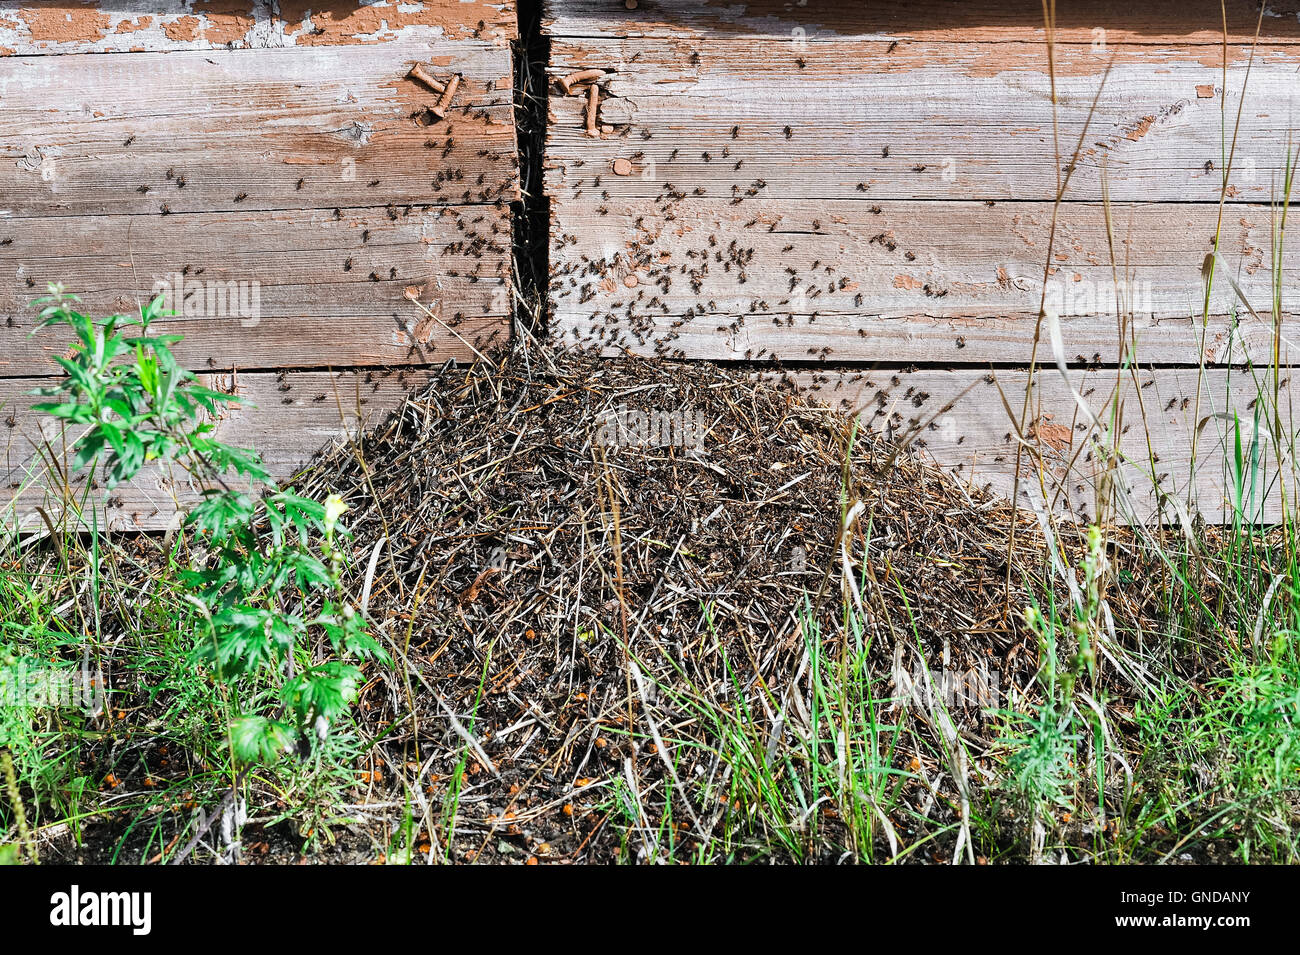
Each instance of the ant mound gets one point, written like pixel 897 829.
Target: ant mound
pixel 590 564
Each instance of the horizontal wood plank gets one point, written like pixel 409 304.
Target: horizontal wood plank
pixel 287 417
pixel 800 21
pixel 325 127
pixel 42 27
pixel 867 121
pixel 297 288
pixel 914 281
pixel 959 419
pixel 351 22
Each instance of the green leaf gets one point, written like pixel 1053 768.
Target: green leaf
pixel 146 368
pixel 154 310
pixel 348 633
pixel 247 638
pixel 113 435
pixel 89 448
pixel 255 739
pixel 69 410
pixel 307 570
pixel 327 690
pixel 210 398
pixel 219 511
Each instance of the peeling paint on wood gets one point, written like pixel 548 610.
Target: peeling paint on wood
pixel 311 23
pixel 69 26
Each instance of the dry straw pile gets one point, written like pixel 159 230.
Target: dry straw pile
pixel 588 562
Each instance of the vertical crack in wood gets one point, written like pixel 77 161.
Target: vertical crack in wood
pixel 531 215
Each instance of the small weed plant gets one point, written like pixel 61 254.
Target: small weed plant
pixel 266 564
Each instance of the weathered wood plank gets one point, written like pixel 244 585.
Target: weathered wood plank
pixel 955 416
pixel 308 289
pixel 844 280
pixel 287 418
pixel 873 183
pixel 38 27
pixel 70 26
pixel 925 120
pixel 964 426
pixel 315 23
pixel 298 200
pixel 798 21
pixel 259 129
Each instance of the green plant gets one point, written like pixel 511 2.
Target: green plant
pixel 1046 740
pixel 1042 740
pixel 267 565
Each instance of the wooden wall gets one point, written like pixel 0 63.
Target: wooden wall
pixel 866 192
pixel 280 146
pixel 862 191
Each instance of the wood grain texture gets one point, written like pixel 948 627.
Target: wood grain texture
pixel 854 281
pixel 927 120
pixel 331 22
pixel 325 127
pixel 273 170
pixel 287 417
pixel 1161 21
pixel 43 27
pixel 873 183
pixel 311 290
pixel 861 200
pixel 958 418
